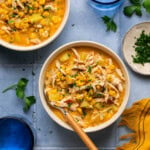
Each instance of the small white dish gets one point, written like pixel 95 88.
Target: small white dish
pixel 128 49
pixel 44 43
pixel 102 48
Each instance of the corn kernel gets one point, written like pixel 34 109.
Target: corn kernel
pixel 42 2
pixel 33 35
pixel 112 93
pixel 30 11
pixel 45 13
pixel 41 10
pixel 17 24
pixel 56 19
pixel 109 77
pixel 9 2
pixel 79 110
pixel 21 14
pixel 43 22
pixel 98 87
pixel 35 4
pixel 112 67
pixel 2 32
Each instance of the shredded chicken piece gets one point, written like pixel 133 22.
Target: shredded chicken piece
pixel 102 100
pixel 35 41
pixel 116 102
pixel 94 88
pixel 50 6
pixel 46 90
pixel 45 34
pixel 59 67
pixel 76 53
pixel 81 68
pixel 14 4
pixel 119 72
pixel 79 61
pixel 6 29
pixel 120 87
pixel 106 97
pixel 53 79
pixel 102 70
pixel 90 60
pixel 117 83
pixel 105 110
pixel 39 26
pixel 110 61
pixel 74 106
pixel 113 87
pixel 63 102
pixel 20 4
pixel 82 74
pixel 95 69
pixel 95 115
pixel 2 22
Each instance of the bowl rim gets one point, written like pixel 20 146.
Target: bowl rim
pixel 44 43
pixel 104 49
pixel 124 52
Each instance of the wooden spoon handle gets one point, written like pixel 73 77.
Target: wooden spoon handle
pixel 80 132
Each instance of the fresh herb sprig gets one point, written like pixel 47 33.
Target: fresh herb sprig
pixel 146 5
pixel 142 49
pixel 136 7
pixel 110 24
pixel 20 93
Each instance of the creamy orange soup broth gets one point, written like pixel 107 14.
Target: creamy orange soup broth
pixel 86 81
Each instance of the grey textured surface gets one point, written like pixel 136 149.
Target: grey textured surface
pixel 83 24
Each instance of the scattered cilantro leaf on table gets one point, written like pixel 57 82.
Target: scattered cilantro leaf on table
pixel 146 5
pixel 135 2
pixel 21 85
pixel 136 7
pixel 130 10
pixel 20 93
pixel 28 102
pixel 12 87
pixel 110 24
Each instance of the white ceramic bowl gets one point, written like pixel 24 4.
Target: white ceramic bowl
pixel 44 43
pixel 129 51
pixel 102 48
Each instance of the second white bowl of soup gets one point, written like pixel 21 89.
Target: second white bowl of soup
pixel 29 25
pixel 88 79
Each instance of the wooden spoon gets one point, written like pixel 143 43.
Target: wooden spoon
pixel 84 137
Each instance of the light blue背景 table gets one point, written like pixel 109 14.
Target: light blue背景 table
pixel 83 24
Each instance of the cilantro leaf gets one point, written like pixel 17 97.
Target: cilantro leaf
pixel 135 2
pixel 12 87
pixel 146 5
pixel 29 101
pixel 89 69
pixel 21 85
pixel 110 24
pixel 20 93
pixel 130 10
pixel 138 11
